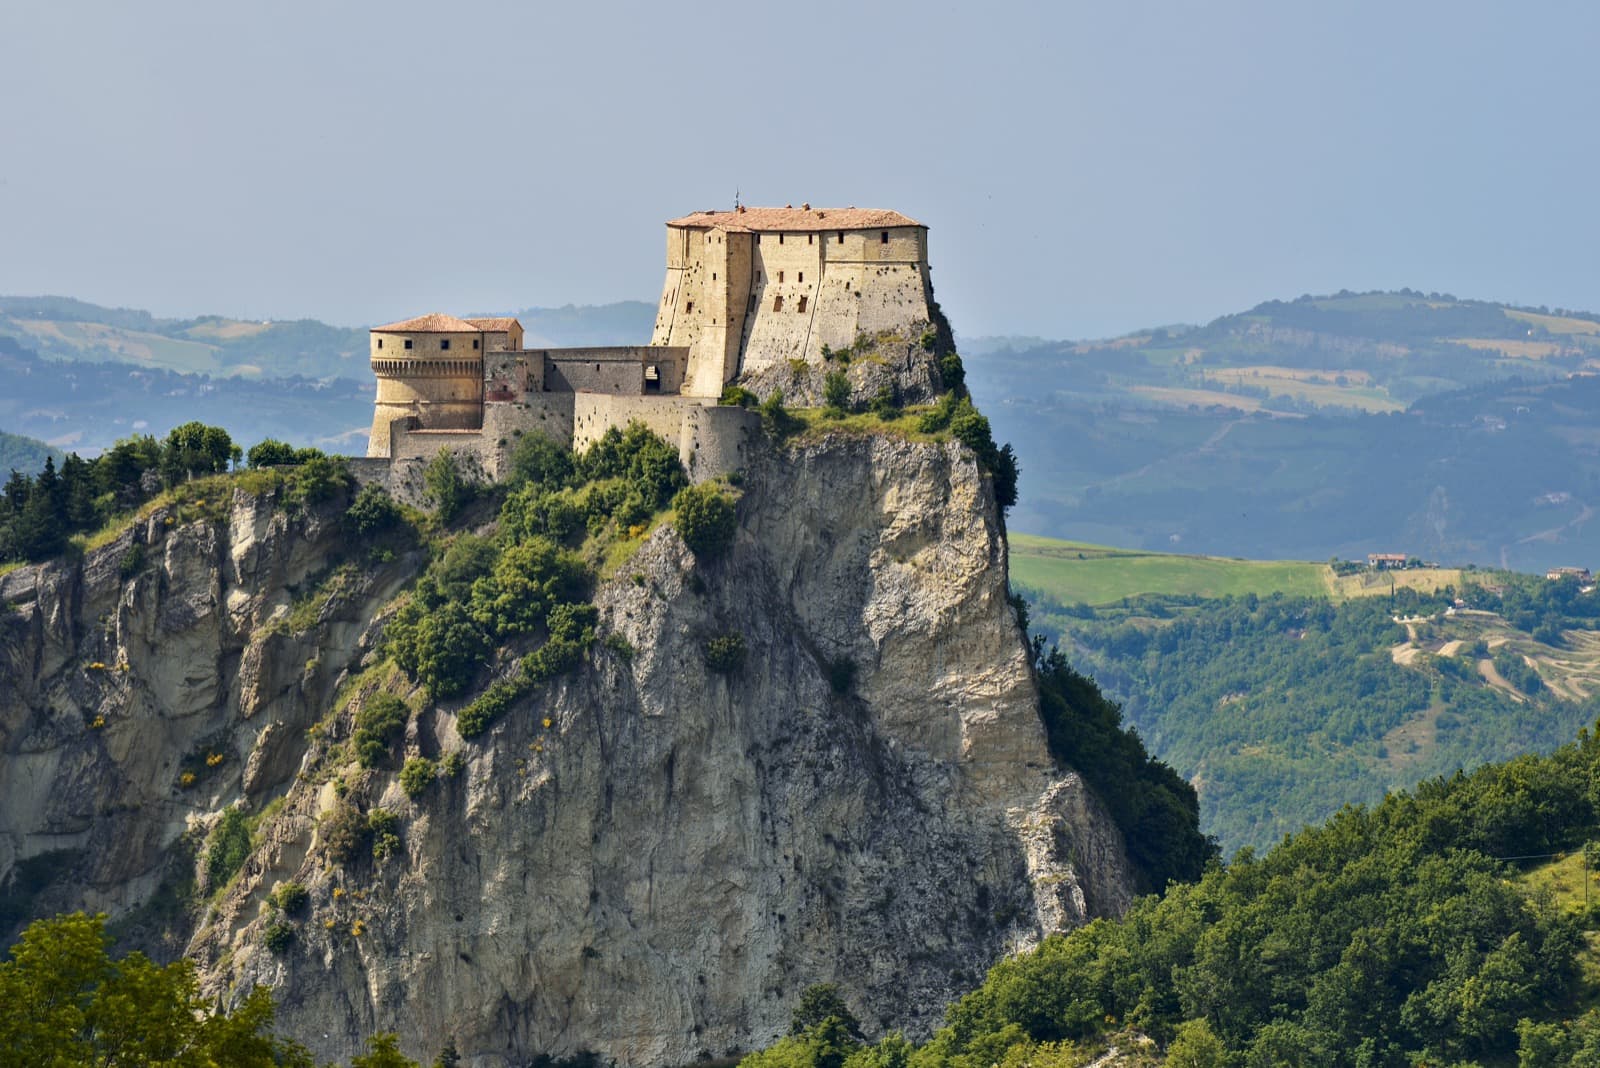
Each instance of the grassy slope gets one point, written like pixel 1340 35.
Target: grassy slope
pixel 1076 572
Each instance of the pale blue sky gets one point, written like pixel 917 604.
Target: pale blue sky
pixel 1085 169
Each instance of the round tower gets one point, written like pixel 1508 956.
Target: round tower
pixel 430 377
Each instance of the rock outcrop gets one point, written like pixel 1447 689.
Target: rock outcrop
pixel 646 858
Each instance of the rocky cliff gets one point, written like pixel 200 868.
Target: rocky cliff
pixel 645 858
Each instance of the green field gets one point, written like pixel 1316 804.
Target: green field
pixel 1075 572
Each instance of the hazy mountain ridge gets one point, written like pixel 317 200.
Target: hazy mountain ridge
pixel 1461 430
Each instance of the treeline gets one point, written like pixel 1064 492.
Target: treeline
pixel 1386 937
pixel 40 514
pixel 1154 807
pixel 65 1002
pixel 1288 707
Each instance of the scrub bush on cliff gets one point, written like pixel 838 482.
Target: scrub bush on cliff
pixel 706 520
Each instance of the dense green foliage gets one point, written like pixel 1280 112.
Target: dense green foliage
pixel 725 653
pixel 18 453
pixel 1156 810
pixel 65 1003
pixel 1289 707
pixel 956 413
pixel 379 725
pixel 227 847
pixel 39 514
pixel 706 520
pixel 417 775
pixel 530 577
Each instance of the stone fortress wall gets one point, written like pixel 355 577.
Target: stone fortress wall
pixel 745 290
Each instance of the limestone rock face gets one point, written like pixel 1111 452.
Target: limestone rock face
pixel 645 858
pixel 153 658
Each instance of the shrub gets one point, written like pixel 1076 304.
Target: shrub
pixel 417 776
pixel 725 654
pixel 706 520
pixel 775 418
pixel 343 832
pixel 446 487
pixel 378 725
pixel 132 561
pixel 885 404
pixel 953 374
pixel 318 478
pixel 836 393
pixel 384 828
pixel 271 453
pixel 491 704
pixel 541 462
pixel 451 765
pixel 372 513
pixel 227 847
pixel 290 897
pixel 278 936
pixel 740 397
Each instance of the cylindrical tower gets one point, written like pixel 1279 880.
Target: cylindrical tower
pixel 429 368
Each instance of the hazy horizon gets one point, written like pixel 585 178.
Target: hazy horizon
pixel 1084 172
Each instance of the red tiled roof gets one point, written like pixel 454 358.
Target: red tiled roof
pixel 768 220
pixel 434 323
pixel 504 323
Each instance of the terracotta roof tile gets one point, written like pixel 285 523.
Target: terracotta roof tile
pixel 503 323
pixel 769 220
pixel 434 323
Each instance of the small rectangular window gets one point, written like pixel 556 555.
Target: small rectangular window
pixel 687 308
pixel 380 342
pixel 802 276
pixel 408 343
pixel 801 306
pixel 777 303
pixel 444 344
pixel 780 276
pixel 780 239
pixel 811 239
pixel 841 237
pixel 883 238
pixel 474 342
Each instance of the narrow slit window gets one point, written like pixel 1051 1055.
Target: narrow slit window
pixel 780 276
pixel 801 306
pixel 883 237
pixel 780 239
pixel 802 276
pixel 777 303
pixel 380 342
pixel 841 237
pixel 687 308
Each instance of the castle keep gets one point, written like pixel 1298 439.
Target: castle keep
pixel 746 290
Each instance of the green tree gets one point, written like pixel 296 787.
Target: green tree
pixel 445 485
pixel 65 1002
pixel 836 393
pixel 383 1051
pixel 706 519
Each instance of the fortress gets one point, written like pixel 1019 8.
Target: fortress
pixel 746 291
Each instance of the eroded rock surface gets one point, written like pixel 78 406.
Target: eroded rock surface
pixel 646 858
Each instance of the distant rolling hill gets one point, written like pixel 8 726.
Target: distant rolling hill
pixel 18 453
pixel 82 376
pixel 1458 430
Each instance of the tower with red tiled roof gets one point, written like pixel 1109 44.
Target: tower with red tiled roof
pixel 430 375
pixel 751 288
